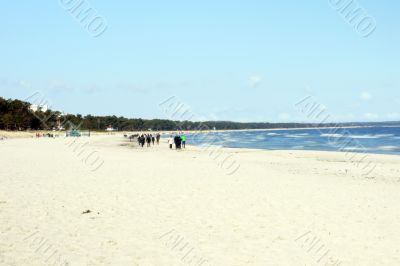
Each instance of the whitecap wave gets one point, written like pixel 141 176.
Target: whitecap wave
pixel 232 140
pixel 378 136
pixel 332 135
pixel 354 149
pixel 384 135
pixel 298 147
pixel 294 136
pixel 390 148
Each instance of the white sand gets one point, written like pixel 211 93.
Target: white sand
pixel 160 207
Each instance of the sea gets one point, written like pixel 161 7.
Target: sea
pixel 380 140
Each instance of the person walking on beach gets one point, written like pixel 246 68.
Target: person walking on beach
pixel 183 137
pixel 170 142
pixel 142 140
pixel 178 142
pixel 148 140
pixel 158 138
pixel 152 139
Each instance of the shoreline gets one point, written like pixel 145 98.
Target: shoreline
pixel 61 134
pixel 31 133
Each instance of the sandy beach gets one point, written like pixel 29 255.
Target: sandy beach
pixel 203 133
pixel 105 201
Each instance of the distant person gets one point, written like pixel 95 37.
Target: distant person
pixel 170 141
pixel 142 140
pixel 183 137
pixel 158 138
pixel 179 139
pixel 153 139
pixel 178 142
pixel 148 140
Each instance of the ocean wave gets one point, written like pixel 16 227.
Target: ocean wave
pixel 298 147
pixel 231 140
pixel 370 136
pixel 390 148
pixel 385 135
pixel 295 136
pixel 273 134
pixel 366 136
pixel 354 149
pixel 332 135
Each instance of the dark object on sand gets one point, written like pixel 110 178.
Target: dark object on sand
pixel 86 212
pixel 131 137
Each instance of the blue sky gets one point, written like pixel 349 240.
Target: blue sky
pixel 226 60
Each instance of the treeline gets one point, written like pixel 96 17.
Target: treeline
pixel 17 115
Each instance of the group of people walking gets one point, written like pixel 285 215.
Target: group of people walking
pixel 148 139
pixel 49 135
pixel 178 140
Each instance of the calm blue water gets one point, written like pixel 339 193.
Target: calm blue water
pixel 384 140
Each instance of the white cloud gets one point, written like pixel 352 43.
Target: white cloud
pixel 393 116
pixel 255 81
pixel 371 116
pixel 349 116
pixel 59 85
pixel 284 116
pixel 24 84
pixel 15 83
pixel 131 87
pixel 92 89
pixel 366 96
